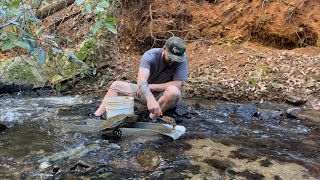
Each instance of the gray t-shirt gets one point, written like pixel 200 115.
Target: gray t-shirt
pixel 160 70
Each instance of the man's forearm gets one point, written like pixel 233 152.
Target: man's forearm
pixel 145 90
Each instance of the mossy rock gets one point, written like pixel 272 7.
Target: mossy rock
pixel 22 70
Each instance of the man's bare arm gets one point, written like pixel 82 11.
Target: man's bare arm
pixel 143 75
pixel 152 103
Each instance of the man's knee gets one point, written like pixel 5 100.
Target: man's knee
pixel 172 92
pixel 117 84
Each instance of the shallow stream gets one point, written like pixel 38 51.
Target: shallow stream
pixel 53 138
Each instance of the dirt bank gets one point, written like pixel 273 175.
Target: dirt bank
pixel 238 51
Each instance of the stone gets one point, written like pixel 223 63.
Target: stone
pixel 3 127
pixel 118 121
pixel 295 100
pixel 293 112
pixel 247 110
pixel 218 89
pixel 226 109
pixel 22 71
pixel 266 115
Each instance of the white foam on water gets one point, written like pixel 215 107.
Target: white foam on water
pixel 21 109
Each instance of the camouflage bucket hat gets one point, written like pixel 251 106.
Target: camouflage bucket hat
pixel 176 49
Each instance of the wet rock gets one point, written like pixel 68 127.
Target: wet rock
pixel 226 109
pixel 5 96
pixel 244 154
pixel 114 146
pixel 71 153
pixel 247 111
pixel 156 175
pixel 3 127
pixel 149 160
pixel 140 109
pixel 267 115
pixel 293 112
pixel 56 169
pixel 44 92
pixel 15 88
pixel 265 163
pixel 295 100
pixel 118 121
pixel 248 174
pixel 181 111
pixel 44 165
pixel 81 165
pixel 219 164
pixel 277 178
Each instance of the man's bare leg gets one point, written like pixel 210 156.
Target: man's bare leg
pixel 114 90
pixel 169 97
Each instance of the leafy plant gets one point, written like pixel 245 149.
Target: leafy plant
pixel 265 70
pixel 100 8
pixel 21 30
pixel 252 81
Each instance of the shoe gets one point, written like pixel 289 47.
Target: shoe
pixel 93 116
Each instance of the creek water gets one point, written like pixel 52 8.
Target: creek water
pixel 53 138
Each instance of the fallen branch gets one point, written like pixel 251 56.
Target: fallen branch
pixel 52 8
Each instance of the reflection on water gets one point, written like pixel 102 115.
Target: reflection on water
pixel 53 138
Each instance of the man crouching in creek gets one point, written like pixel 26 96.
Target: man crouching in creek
pixel 161 74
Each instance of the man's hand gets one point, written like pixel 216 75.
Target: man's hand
pixel 145 90
pixel 138 93
pixel 154 107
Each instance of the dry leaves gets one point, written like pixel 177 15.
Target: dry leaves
pixel 264 76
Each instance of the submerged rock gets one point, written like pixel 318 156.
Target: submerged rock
pixel 247 111
pixel 266 115
pixel 149 160
pixel 226 109
pixel 71 153
pixel 3 127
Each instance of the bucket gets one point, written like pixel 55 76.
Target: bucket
pixel 119 105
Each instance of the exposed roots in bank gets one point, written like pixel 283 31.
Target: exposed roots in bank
pixel 303 37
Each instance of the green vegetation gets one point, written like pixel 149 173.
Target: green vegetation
pixel 22 32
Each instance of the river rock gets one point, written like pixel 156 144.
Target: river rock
pixel 22 71
pixel 293 112
pixel 226 109
pixel 266 115
pixel 3 127
pixel 247 110
pixel 295 99
pixel 118 121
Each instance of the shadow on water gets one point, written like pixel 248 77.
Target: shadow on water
pixel 54 138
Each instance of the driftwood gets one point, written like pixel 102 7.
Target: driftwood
pixel 52 8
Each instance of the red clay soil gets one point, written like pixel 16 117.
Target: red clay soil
pixel 238 50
